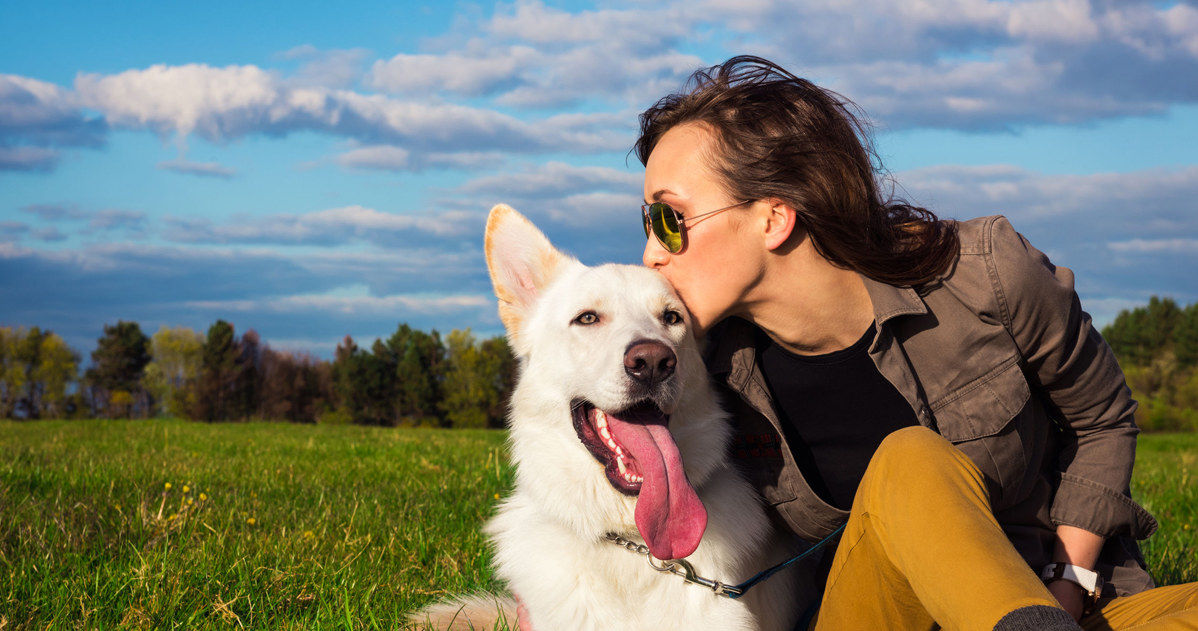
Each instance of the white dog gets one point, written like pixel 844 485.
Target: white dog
pixel 615 429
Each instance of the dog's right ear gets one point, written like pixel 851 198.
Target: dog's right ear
pixel 522 263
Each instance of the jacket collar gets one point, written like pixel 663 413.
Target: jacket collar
pixel 731 346
pixel 890 301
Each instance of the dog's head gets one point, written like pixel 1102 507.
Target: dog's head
pixel 606 356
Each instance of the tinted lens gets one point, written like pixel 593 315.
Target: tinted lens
pixel 665 226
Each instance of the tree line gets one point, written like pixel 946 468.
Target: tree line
pixel 412 378
pixel 1157 347
pixel 419 378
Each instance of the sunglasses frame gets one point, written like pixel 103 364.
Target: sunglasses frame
pixel 651 227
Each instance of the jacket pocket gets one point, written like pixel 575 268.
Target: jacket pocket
pixel 984 406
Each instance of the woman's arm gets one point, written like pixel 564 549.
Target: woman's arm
pixel 1075 547
pixel 1070 363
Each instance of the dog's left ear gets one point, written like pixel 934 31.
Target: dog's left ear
pixel 522 262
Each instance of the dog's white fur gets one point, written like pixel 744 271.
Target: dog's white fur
pixel 547 535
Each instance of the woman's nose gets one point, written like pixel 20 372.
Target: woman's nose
pixel 655 255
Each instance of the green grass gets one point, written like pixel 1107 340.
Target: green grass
pixel 1165 482
pixel 306 527
pixel 263 526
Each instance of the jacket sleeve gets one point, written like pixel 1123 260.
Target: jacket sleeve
pixel 1085 389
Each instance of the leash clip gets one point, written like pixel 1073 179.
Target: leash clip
pixel 683 568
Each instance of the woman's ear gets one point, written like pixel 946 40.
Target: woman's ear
pixel 780 222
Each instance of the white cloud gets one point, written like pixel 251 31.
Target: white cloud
pixel 555 179
pixel 596 209
pixel 533 57
pixel 207 169
pixel 1154 32
pixel 36 117
pixel 1181 21
pixel 366 220
pixel 1054 20
pixel 384 157
pixel 30 103
pixel 392 158
pixel 1155 246
pixel 460 73
pixel 327 68
pixel 349 305
pixel 973 64
pixel 1167 195
pixel 114 219
pixel 963 64
pixel 221 104
pixel 532 21
pixel 214 102
pixel 334 226
pixel 28 158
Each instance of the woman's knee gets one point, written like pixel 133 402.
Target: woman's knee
pixel 911 443
pixel 913 456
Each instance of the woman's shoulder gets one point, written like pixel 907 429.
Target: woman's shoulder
pixel 999 271
pixel 981 235
pixel 1001 253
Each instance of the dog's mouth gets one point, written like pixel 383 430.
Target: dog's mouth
pixel 594 428
pixel 640 459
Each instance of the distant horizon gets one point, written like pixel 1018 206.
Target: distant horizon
pixel 312 173
pixel 366 344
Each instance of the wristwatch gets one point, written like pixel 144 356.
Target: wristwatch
pixel 1088 580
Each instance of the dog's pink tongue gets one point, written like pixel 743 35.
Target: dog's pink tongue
pixel 669 515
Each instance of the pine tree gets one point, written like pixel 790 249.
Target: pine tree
pixel 216 390
pixel 119 362
pixel 1185 337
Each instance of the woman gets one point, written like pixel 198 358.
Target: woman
pixel 844 327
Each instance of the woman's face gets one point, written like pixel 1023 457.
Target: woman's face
pixel 721 260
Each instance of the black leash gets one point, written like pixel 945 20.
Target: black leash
pixel 684 569
pixel 737 591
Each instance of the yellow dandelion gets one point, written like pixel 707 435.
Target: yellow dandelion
pixel 496 496
pixel 117 506
pixel 190 501
pixel 172 517
pixel 186 489
pixel 308 534
pixel 1185 527
pixel 167 486
pixel 251 521
pixel 203 496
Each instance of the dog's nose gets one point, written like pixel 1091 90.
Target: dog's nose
pixel 649 362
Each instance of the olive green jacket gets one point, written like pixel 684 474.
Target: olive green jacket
pixel 1000 359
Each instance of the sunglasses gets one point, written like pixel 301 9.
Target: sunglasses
pixel 663 222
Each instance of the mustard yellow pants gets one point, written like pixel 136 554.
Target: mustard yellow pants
pixel 922 549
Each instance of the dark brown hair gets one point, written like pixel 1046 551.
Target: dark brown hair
pixel 779 136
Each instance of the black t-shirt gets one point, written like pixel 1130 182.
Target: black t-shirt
pixel 835 410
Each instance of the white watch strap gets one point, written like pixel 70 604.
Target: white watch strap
pixel 1088 580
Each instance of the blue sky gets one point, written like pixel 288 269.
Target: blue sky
pixel 311 170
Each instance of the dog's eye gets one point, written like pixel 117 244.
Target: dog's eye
pixel 672 317
pixel 587 318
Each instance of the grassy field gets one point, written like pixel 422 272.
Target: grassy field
pixel 165 524
pixel 161 525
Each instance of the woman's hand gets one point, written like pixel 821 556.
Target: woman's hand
pixel 1070 595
